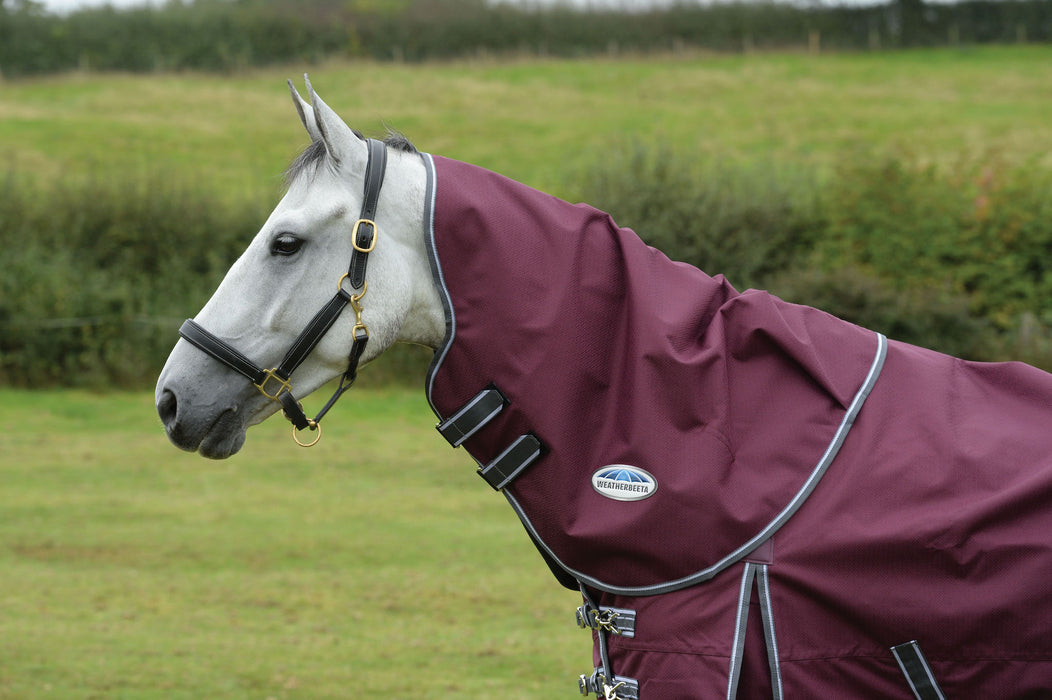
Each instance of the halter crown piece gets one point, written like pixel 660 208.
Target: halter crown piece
pixel 274 383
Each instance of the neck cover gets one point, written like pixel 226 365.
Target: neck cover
pixel 611 354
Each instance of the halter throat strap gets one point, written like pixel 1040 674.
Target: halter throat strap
pixel 274 383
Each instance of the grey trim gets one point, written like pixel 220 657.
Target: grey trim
pixel 436 270
pixel 918 673
pixel 705 574
pixel 740 623
pixel 763 586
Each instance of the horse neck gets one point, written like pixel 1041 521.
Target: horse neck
pixel 406 188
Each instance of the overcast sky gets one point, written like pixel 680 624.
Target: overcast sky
pixel 68 5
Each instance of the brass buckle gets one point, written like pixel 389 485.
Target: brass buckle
pixel 606 621
pixel 354 235
pixel 601 619
pixel 283 384
pixel 610 691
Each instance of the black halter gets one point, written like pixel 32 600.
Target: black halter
pixel 274 383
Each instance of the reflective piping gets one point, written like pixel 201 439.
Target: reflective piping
pixel 436 271
pixel 763 586
pixel 744 550
pixel 917 671
pixel 738 649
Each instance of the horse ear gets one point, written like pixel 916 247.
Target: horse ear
pixel 340 141
pixel 306 113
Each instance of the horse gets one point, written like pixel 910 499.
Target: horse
pixel 754 498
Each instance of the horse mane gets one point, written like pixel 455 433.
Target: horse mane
pixel 399 142
pixel 312 157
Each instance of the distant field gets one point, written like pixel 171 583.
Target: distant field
pixel 541 121
pixel 376 565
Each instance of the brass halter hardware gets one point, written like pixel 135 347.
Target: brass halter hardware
pixel 274 383
pixel 354 235
pixel 269 376
pixel 312 425
pixel 356 305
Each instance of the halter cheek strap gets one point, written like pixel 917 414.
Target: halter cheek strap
pixel 274 383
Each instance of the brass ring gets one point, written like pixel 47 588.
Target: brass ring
pixel 354 297
pixel 296 437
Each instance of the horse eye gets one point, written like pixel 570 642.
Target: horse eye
pixel 286 244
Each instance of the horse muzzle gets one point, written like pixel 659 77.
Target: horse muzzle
pixel 216 431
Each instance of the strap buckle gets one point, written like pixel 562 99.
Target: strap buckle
pixel 354 235
pixel 268 375
pixel 616 621
pixel 616 688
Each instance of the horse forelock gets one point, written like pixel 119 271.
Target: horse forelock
pixel 307 162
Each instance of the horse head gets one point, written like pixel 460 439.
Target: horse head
pixel 295 263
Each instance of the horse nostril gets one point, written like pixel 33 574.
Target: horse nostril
pixel 167 408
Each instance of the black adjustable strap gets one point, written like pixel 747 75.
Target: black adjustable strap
pixel 294 412
pixel 481 409
pixel 325 318
pixel 917 671
pixel 363 240
pixel 312 334
pixel 222 351
pixel 274 383
pixel 510 463
pixel 472 417
pixel 364 235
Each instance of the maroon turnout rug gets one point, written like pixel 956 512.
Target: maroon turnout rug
pixel 755 498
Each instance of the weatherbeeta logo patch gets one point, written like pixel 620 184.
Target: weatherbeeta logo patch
pixel 624 483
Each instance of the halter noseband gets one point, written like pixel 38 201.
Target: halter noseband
pixel 274 383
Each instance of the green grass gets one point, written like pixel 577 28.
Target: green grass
pixel 541 121
pixel 374 565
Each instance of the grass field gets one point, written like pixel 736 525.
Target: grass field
pixel 542 121
pixel 378 564
pixel 374 565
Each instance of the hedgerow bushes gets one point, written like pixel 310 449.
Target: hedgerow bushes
pixel 98 274
pixel 957 259
pixel 220 35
